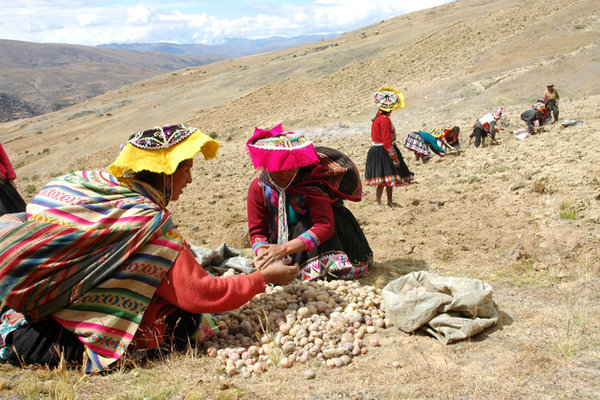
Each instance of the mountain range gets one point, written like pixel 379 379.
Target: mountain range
pixel 520 215
pixel 37 78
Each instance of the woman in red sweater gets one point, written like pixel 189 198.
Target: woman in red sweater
pixel 10 200
pixel 114 273
pixel 385 167
pixel 295 207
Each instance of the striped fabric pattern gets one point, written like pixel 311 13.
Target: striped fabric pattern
pixel 414 142
pixel 107 317
pixel 91 255
pixel 335 177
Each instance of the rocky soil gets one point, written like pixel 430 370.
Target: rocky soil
pixel 522 215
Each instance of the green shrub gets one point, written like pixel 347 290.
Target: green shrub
pixel 30 189
pixel 569 214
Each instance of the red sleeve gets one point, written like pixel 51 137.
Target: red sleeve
pixel 189 287
pixel 321 216
pixel 258 215
pixel 6 168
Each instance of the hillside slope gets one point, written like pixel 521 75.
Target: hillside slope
pixel 444 59
pixel 523 215
pixel 49 77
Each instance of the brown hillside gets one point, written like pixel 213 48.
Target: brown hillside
pixel 523 215
pixel 49 77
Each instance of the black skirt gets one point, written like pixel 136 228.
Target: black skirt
pixel 346 255
pixel 10 200
pixel 46 342
pixel 380 169
pixel 43 342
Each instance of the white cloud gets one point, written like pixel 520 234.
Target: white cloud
pixel 155 20
pixel 138 14
pixel 86 19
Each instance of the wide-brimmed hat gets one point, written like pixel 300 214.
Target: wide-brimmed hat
pixel 388 99
pixel 161 149
pixel 273 150
pixel 550 85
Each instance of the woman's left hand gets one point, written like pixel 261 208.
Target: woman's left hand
pixel 268 254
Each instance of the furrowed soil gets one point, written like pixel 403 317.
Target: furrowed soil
pixel 521 215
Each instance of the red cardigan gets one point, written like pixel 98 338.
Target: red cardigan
pixel 260 218
pixel 6 168
pixel 382 131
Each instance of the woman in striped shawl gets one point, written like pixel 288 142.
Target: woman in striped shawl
pixel 295 207
pixel 99 267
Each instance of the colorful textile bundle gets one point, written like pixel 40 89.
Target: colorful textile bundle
pixel 335 177
pixel 90 255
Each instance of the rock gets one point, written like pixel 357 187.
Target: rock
pixel 286 362
pixel 309 374
pixel 517 186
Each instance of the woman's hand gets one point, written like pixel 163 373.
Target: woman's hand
pixel 280 273
pixel 269 253
pixel 396 162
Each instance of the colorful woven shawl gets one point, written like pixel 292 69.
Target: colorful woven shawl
pixel 91 255
pixel 335 178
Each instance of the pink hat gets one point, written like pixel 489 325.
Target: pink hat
pixel 273 150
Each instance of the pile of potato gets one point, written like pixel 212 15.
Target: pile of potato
pixel 327 321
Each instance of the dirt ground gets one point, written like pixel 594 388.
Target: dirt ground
pixel 492 213
pixel 522 215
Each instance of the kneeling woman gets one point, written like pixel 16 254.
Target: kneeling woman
pixel 99 266
pixel 295 207
pixel 423 144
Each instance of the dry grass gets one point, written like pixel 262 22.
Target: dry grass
pixel 493 213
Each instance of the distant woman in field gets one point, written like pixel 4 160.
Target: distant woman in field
pixel 296 209
pixel 533 115
pixel 10 200
pixel 486 125
pixel 423 144
pixel 552 97
pixel 99 267
pixel 385 167
pixel 447 137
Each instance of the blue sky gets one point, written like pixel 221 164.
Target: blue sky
pixel 93 22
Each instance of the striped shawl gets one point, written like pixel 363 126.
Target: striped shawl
pixel 91 255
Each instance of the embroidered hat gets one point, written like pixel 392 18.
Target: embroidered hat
pixel 498 113
pixel 273 150
pixel 161 149
pixel 388 99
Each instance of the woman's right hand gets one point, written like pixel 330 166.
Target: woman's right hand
pixel 268 254
pixel 280 273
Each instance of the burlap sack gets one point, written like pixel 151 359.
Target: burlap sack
pixel 448 308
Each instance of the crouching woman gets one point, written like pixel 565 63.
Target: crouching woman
pixel 296 209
